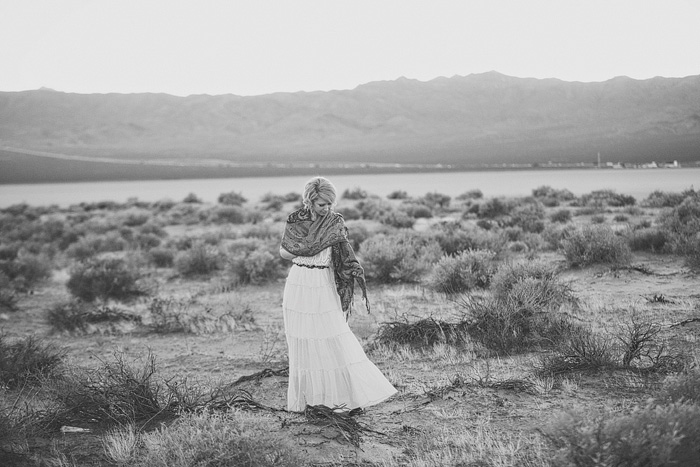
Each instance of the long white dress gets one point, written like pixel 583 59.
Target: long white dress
pixel 327 365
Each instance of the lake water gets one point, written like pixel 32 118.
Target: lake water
pixel 635 182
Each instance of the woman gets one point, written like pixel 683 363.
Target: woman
pixel 327 365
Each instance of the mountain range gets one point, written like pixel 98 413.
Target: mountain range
pixel 486 118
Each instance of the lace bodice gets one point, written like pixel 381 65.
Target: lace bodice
pixel 323 258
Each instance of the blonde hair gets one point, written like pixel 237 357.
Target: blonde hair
pixel 318 187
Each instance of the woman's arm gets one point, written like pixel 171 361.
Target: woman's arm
pixel 286 255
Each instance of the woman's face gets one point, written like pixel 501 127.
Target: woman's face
pixel 321 207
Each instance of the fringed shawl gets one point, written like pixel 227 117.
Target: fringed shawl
pixel 304 236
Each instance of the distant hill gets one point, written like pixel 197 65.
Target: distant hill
pixel 475 119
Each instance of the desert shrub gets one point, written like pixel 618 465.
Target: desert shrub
pixel 691 253
pixel 417 210
pixel 652 435
pixel 153 229
pixel 26 270
pixel 518 247
pixel 485 224
pixel 275 204
pixel 592 244
pixel 661 199
pixel 436 200
pixel 398 194
pixel 471 194
pixel 9 252
pixel 93 244
pixel 200 259
pixel 76 316
pixel 184 213
pixel 620 218
pixel 531 284
pixel 349 213
pixel 506 327
pixel 599 198
pixel 397 219
pixel 529 217
pixel 401 257
pixel 682 387
pixel 146 241
pixel 373 208
pixel 228 215
pixel 216 440
pixel 561 215
pixel 547 192
pixel 465 271
pixel 161 257
pixel 682 221
pixel 598 219
pixel 105 278
pixel 117 392
pixel 555 235
pixel 188 315
pixel 513 234
pixel 454 237
pixel 355 193
pixel 357 233
pixel 647 239
pixel 581 351
pixel 253 266
pixel 232 198
pixel 134 217
pixel 27 361
pixel 522 312
pixel 192 198
pixel 494 207
pixel 8 294
pixel 163 205
pixel 420 334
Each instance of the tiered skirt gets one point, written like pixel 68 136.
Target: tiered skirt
pixel 327 365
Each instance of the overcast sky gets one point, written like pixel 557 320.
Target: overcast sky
pixel 251 47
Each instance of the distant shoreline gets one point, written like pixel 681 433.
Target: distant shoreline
pixel 45 170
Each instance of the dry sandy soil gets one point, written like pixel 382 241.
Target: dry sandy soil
pixel 496 406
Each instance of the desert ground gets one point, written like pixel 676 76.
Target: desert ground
pixel 604 329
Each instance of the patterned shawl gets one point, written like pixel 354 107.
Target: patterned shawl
pixel 304 236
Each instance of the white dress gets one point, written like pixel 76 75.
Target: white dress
pixel 327 365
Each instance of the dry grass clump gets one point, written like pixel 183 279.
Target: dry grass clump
pixel 531 284
pixel 199 260
pixel 76 316
pixel 400 257
pixel 421 334
pixel 115 393
pixel 652 435
pixel 522 312
pixel 206 440
pixel 595 244
pixel 682 223
pixel 682 387
pixel 653 240
pixel 188 315
pixel 254 261
pixel 463 272
pixel 105 278
pixel 482 445
pixel 27 361
pixel 636 347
